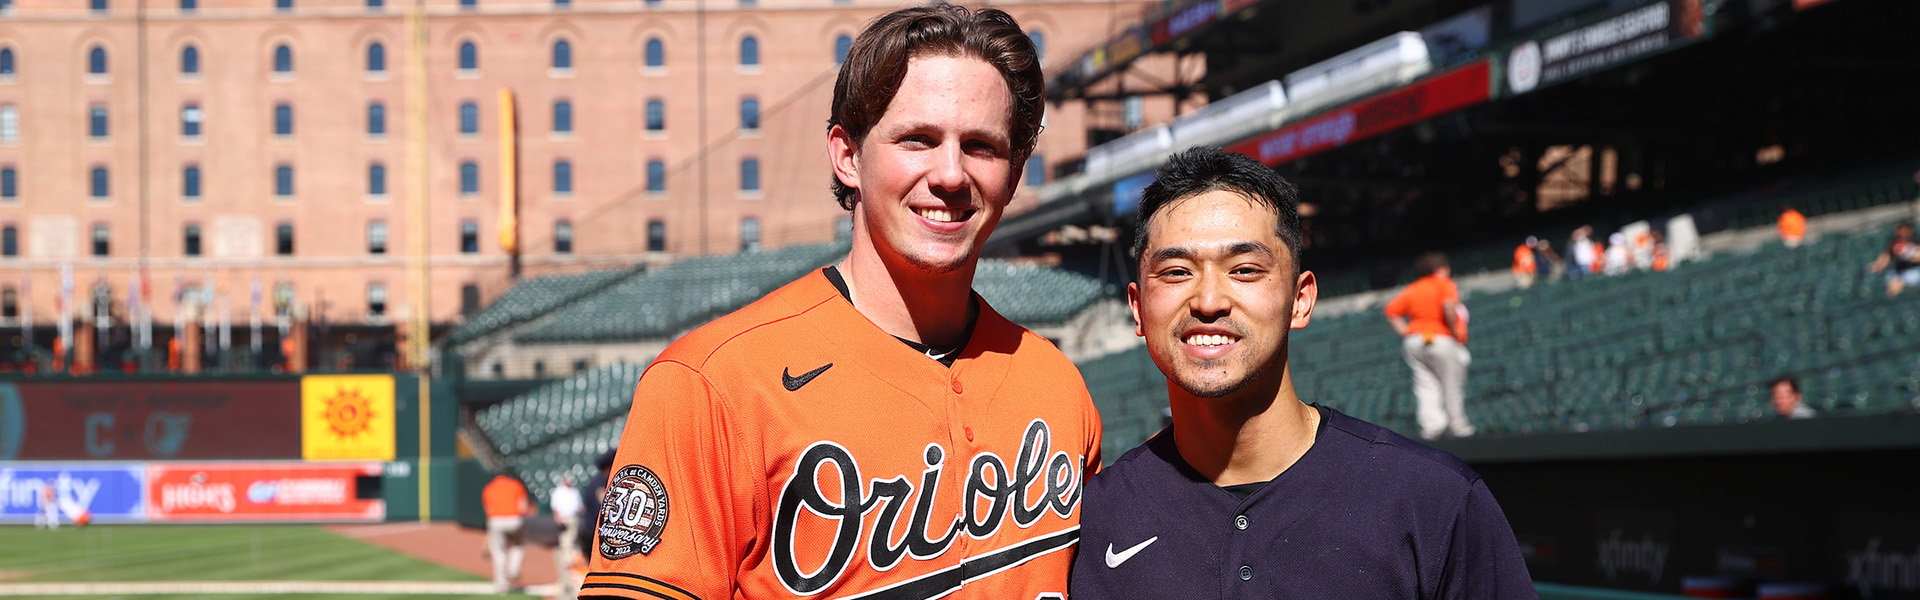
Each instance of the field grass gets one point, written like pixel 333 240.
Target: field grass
pixel 190 553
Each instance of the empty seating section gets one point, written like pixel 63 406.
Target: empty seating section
pixel 1692 346
pixel 573 455
pixel 1035 294
pixel 533 298
pixel 559 409
pixel 680 296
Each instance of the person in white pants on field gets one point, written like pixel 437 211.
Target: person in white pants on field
pixel 49 515
pixel 1432 327
pixel 505 500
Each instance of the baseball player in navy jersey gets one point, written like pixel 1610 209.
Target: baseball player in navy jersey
pixel 1251 493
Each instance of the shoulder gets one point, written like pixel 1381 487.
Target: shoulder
pixel 1138 468
pixel 1394 456
pixel 700 347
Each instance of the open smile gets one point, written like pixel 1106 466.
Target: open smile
pixel 945 215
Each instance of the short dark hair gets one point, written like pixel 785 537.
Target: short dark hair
pixel 1203 169
pixel 1793 384
pixel 877 62
pixel 1430 262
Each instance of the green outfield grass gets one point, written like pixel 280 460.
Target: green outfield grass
pixel 191 553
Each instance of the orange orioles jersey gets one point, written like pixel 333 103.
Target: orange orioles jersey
pixel 793 449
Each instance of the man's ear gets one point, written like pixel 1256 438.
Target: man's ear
pixel 844 153
pixel 1306 292
pixel 1133 306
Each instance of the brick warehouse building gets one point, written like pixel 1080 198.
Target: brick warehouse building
pixel 257 147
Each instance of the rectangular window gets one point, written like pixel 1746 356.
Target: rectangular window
pixel 97 121
pixel 190 118
pixel 656 236
pixel 377 300
pixel 376 180
pixel 749 234
pixel 190 182
pixel 656 176
pixel 102 241
pixel 283 5
pixel 562 177
pixel 9 124
pixel 283 119
pixel 190 246
pixel 10 303
pixel 10 241
pixel 283 239
pixel 377 237
pixel 376 120
pixel 283 181
pixel 98 6
pixel 750 175
pixel 98 184
pixel 469 237
pixel 469 300
pixel 563 237
pixel 1036 170
pixel 9 184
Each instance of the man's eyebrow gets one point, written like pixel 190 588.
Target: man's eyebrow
pixel 1239 248
pixel 1230 249
pixel 1170 253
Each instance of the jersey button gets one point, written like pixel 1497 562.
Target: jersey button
pixel 1246 573
pixel 1240 522
pixel 969 431
pixel 956 386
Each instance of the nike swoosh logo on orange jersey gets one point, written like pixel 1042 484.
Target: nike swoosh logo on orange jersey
pixel 795 383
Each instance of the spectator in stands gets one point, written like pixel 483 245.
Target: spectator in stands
pixel 1901 261
pixel 1787 401
pixel 1661 260
pixel 1792 226
pixel 1619 258
pixel 567 505
pixel 1552 267
pixel 505 500
pixel 1586 260
pixel 1525 267
pixel 1426 316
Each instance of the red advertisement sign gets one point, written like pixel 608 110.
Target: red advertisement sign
pixel 168 420
pixel 245 492
pixel 1454 90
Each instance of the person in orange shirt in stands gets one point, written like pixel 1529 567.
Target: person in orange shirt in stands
pixel 1793 226
pixel 1427 317
pixel 1525 268
pixel 505 500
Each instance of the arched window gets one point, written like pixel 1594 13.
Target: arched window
pixel 656 176
pixel 656 115
pixel 562 55
pixel 376 119
pixel 376 179
pixel 283 180
pixel 469 178
pixel 656 53
pixel 562 116
pixel 190 182
pixel 469 118
pixel 841 46
pixel 190 60
pixel 283 119
pixel 376 58
pixel 749 51
pixel 97 61
pixel 562 176
pixel 750 114
pixel 750 175
pixel 469 56
pixel 282 59
pixel 6 63
pixel 97 184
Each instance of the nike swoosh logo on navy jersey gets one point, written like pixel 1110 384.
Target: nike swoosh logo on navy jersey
pixel 795 383
pixel 1114 560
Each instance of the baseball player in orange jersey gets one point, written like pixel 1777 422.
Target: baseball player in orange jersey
pixel 874 430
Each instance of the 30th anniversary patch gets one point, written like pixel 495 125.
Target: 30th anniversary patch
pixel 633 514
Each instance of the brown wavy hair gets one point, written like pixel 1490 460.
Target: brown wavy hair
pixel 877 63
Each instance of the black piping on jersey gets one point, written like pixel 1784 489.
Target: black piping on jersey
pixel 946 581
pixel 601 584
pixel 840 283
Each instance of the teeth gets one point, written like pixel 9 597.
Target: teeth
pixel 1210 339
pixel 942 215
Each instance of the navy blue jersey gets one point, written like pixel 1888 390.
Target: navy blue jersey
pixel 1364 514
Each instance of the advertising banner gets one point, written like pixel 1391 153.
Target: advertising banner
pixel 82 420
pixel 347 417
pixel 1188 19
pixel 1615 40
pixel 246 492
pixel 105 492
pixel 1422 100
pixel 1458 39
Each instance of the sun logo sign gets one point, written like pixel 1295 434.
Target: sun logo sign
pixel 346 417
